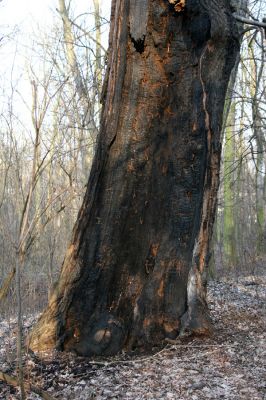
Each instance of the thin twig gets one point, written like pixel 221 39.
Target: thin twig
pixel 107 364
pixel 176 343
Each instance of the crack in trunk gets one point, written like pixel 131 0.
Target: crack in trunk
pixel 197 319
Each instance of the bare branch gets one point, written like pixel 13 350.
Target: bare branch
pixel 249 21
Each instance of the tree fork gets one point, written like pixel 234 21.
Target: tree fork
pixel 134 273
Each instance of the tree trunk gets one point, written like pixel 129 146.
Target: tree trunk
pixel 134 272
pixel 230 222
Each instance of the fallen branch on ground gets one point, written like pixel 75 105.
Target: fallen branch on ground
pixel 176 343
pixel 13 381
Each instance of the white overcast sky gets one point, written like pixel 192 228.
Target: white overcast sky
pixel 23 12
pixel 26 17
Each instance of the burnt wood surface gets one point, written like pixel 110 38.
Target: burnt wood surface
pixel 134 272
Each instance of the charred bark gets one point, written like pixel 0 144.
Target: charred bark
pixel 134 272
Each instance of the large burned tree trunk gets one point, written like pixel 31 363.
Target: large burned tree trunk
pixel 135 270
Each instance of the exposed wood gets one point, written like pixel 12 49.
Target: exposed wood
pixel 138 17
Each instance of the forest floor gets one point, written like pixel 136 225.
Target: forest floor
pixel 229 365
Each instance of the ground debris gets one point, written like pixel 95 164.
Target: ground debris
pixel 229 365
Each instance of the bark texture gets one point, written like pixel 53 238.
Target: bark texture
pixel 134 272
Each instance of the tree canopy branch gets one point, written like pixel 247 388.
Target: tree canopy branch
pixel 249 21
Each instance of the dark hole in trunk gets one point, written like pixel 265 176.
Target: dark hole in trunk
pixel 139 44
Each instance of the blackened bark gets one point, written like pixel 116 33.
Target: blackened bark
pixel 134 271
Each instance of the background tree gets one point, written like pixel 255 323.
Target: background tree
pixel 64 152
pixel 240 235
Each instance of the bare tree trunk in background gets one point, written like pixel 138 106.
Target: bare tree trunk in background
pixel 23 239
pixel 80 86
pixel 260 157
pixel 70 52
pixel 98 53
pixel 20 373
pixel 135 271
pixel 230 223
